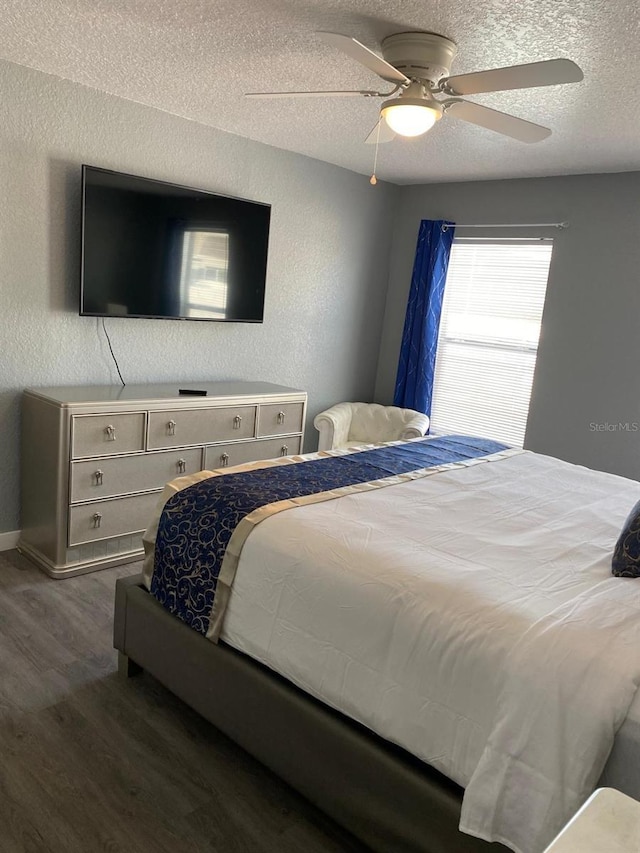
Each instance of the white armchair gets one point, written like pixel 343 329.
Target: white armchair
pixel 348 424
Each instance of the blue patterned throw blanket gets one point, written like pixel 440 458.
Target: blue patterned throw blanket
pixel 195 556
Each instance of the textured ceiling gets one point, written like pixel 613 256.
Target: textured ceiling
pixel 195 58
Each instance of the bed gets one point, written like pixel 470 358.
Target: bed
pixel 428 648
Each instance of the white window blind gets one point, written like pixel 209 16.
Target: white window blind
pixel 488 340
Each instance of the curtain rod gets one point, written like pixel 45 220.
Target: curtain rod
pixel 558 225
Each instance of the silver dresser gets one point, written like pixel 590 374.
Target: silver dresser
pixel 94 459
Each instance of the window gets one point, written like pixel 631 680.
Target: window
pixel 488 339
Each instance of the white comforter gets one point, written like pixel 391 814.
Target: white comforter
pixel 470 617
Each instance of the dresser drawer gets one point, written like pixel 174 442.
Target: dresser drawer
pixel 200 426
pixel 105 519
pixel 226 455
pixel 275 419
pixel 104 478
pixel 102 435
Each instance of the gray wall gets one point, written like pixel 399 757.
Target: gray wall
pixel 327 274
pixel 587 371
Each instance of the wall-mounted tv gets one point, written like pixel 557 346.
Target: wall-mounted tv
pixel 158 250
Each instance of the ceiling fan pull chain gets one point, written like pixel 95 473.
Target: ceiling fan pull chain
pixel 373 180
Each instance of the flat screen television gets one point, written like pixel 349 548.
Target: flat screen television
pixel 158 250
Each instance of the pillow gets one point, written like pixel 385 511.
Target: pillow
pixel 626 554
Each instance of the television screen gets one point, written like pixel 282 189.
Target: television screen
pixel 152 249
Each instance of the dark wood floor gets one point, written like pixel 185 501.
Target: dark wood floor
pixel 93 762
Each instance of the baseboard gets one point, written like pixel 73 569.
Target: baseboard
pixel 9 540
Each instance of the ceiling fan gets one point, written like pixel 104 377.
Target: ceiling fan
pixel 418 64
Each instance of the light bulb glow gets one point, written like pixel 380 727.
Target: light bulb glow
pixel 411 119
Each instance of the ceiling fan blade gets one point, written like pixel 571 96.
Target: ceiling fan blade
pixel 385 135
pixel 548 73
pixel 365 92
pixel 356 50
pixel 517 128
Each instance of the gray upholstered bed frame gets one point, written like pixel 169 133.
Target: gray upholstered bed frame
pixel 383 795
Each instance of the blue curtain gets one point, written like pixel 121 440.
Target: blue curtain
pixel 414 382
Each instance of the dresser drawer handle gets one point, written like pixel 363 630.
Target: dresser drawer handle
pixel 171 427
pixel 99 475
pixel 97 519
pixel 237 421
pixel 224 460
pixel 182 466
pixel 281 417
pixel 284 450
pixel 110 430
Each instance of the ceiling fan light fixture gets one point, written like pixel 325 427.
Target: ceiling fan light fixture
pixel 411 116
